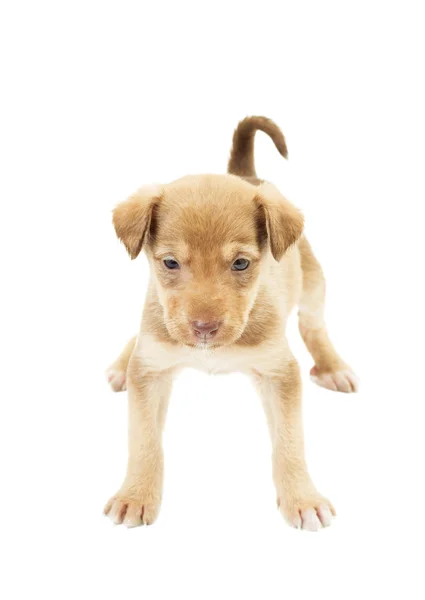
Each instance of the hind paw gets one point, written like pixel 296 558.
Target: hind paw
pixel 117 379
pixel 343 380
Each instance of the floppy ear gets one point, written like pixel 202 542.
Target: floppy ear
pixel 284 222
pixel 132 218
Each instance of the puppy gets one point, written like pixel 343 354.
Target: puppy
pixel 228 263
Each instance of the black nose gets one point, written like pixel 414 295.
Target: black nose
pixel 204 330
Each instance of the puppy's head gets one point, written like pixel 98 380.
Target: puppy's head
pixel 209 240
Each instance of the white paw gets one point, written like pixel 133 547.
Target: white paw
pixel 337 381
pixel 131 512
pixel 116 379
pixel 311 514
pixel 313 519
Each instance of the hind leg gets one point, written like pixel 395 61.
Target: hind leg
pixel 329 371
pixel 116 373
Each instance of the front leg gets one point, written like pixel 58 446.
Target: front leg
pixel 298 500
pixel 138 500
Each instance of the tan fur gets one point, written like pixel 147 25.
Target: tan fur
pixel 205 223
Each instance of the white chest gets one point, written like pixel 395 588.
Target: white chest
pixel 221 360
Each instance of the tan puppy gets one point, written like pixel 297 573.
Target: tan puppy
pixel 228 263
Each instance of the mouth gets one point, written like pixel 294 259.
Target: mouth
pixel 225 337
pixel 204 344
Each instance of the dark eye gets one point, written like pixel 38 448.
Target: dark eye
pixel 170 263
pixel 240 264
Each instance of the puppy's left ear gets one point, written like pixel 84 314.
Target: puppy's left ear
pixel 132 219
pixel 284 222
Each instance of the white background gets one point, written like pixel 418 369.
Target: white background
pixel 101 97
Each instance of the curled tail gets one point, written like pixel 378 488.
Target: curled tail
pixel 241 160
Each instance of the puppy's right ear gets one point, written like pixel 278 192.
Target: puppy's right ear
pixel 132 218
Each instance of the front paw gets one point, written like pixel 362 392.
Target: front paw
pixel 133 508
pixel 306 510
